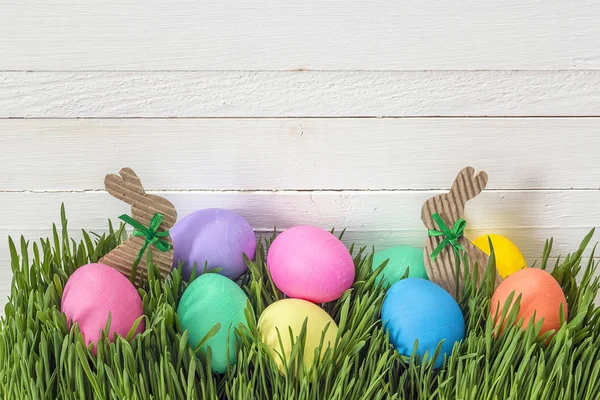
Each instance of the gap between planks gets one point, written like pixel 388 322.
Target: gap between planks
pixel 271 117
pixel 293 70
pixel 292 191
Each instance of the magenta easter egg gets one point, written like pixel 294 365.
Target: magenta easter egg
pixel 307 262
pixel 91 293
pixel 215 238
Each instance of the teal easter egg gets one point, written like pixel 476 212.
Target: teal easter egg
pixel 209 300
pixel 400 258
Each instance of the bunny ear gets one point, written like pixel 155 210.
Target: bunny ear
pixel 131 178
pixel 467 185
pixel 127 187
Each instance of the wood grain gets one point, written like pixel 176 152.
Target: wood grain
pixel 298 94
pixel 300 154
pixel 310 34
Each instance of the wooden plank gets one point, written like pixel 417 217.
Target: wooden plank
pixel 379 218
pixel 298 94
pixel 303 154
pixel 310 34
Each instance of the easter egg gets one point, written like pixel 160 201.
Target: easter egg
pixel 213 237
pixel 540 294
pixel 287 314
pixel 209 300
pixel 400 258
pixel 310 263
pixel 508 257
pixel 417 309
pixel 94 291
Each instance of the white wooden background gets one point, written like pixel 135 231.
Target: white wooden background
pixel 335 113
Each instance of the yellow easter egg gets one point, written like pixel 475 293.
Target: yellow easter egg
pixel 287 314
pixel 508 257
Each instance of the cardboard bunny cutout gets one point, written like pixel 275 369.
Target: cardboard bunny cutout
pixel 443 216
pixel 154 212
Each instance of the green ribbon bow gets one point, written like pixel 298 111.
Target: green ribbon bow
pixel 150 233
pixel 452 235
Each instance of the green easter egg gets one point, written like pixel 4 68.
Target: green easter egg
pixel 208 300
pixel 400 258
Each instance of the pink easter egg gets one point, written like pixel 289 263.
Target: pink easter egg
pixel 91 293
pixel 307 262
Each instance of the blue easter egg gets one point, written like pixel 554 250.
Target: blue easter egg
pixel 400 258
pixel 417 309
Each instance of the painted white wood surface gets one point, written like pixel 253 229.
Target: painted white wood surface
pixel 308 34
pixel 298 94
pixel 301 154
pixel 344 114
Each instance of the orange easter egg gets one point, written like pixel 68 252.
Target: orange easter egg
pixel 540 294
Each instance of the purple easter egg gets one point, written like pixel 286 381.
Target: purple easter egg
pixel 215 237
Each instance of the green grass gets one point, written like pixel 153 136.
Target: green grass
pixel 41 358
